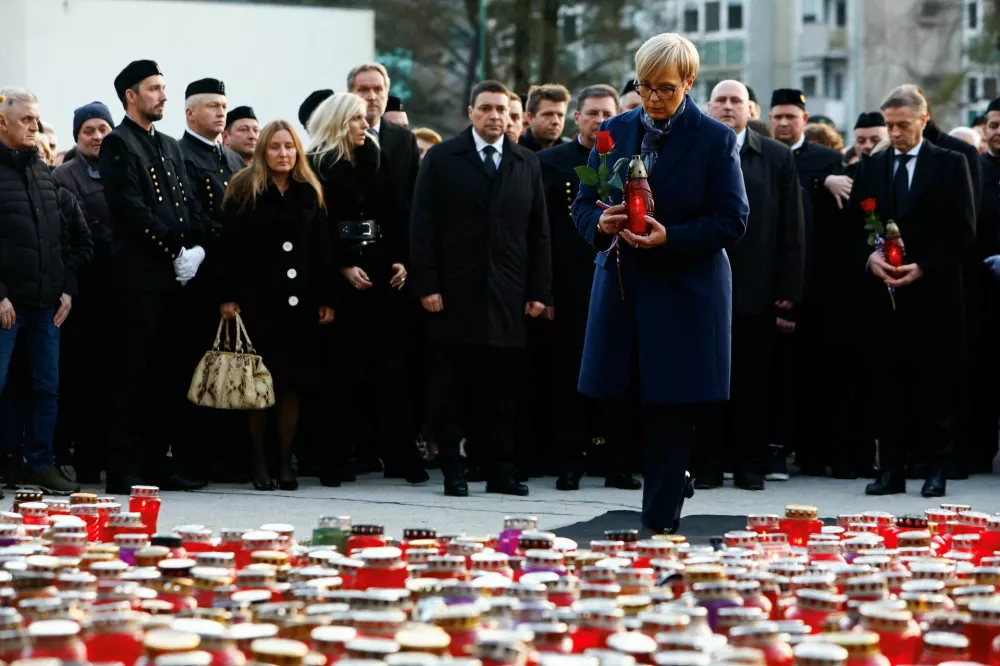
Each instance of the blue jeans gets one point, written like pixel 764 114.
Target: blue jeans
pixel 40 338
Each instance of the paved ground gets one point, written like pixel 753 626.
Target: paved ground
pixel 398 505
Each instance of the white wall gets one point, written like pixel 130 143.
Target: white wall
pixel 68 52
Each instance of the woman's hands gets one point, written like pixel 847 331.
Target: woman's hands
pixel 656 236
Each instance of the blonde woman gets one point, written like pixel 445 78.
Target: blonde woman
pixel 426 139
pixel 373 329
pixel 277 273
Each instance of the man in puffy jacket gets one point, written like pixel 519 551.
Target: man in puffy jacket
pixel 44 241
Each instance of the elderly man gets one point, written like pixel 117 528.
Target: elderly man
pixel 968 135
pixel 869 131
pixel 768 274
pixel 159 230
pixel 44 242
pixel 658 333
pixel 545 113
pixel 242 132
pixel 927 192
pixel 86 346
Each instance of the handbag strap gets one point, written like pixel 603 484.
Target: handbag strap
pixel 240 327
pixel 218 334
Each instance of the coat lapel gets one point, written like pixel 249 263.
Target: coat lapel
pixel 468 150
pixel 678 142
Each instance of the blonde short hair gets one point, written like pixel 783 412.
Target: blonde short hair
pixel 330 132
pixel 428 135
pixel 664 51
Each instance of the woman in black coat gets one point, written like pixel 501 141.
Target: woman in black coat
pixel 277 273
pixel 371 304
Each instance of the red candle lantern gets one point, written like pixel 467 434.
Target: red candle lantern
pixel 894 250
pixel 145 500
pixel 638 196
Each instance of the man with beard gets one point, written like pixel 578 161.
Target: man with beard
pixel 546 115
pixel 572 275
pixel 86 346
pixel 159 228
pixel 768 267
pixel 869 131
pixel 242 131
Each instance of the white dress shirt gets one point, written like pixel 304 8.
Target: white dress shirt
pixel 798 144
pixel 481 143
pixel 741 139
pixel 202 139
pixel 911 165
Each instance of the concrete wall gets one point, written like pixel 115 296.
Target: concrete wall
pixel 68 52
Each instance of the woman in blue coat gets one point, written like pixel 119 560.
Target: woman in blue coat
pixel 665 345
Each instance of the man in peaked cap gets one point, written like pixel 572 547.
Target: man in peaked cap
pixel 818 318
pixel 210 165
pixel 395 112
pixel 310 104
pixel 630 98
pixel 869 131
pixel 160 230
pixel 241 133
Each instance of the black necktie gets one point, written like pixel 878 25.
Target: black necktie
pixel 901 183
pixel 488 163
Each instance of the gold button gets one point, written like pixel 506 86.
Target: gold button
pixel 162 158
pixel 153 236
pixel 168 173
pixel 182 219
pixel 173 256
pixel 221 171
pixel 225 182
pixel 160 243
pixel 211 196
pixel 161 198
pixel 177 204
pixel 147 231
pixel 182 235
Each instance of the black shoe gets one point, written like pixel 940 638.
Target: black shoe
pixel 475 474
pixel 887 483
pixel 622 480
pixel 263 485
pixel 568 481
pixel 748 480
pixel 934 486
pixel 507 486
pixel 178 482
pixel 843 471
pixel 412 474
pixel 776 466
pixel 292 484
pixel 456 486
pixel 708 481
pixel 122 485
pixel 329 481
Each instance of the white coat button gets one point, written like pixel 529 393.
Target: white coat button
pixel 293 300
pixel 286 246
pixel 292 273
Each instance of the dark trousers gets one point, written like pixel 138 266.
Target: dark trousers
pixel 479 382
pixel 915 413
pixel 41 341
pixel 844 396
pixel 152 375
pixel 734 434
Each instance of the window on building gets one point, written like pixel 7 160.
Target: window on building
pixel 712 55
pixel 691 19
pixel 713 17
pixel 972 86
pixel 809 86
pixel 841 13
pixel 735 18
pixel 973 9
pixel 811 11
pixel 735 52
pixel 838 86
pixel 990 87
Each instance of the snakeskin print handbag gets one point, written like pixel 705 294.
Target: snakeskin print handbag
pixel 228 378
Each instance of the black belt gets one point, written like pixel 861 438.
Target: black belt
pixel 361 231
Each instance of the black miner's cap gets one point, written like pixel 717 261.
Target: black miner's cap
pixel 870 119
pixel 788 96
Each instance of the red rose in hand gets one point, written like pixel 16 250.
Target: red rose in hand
pixel 605 144
pixel 868 205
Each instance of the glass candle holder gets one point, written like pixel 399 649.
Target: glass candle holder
pixel 943 646
pixel 56 639
pixel 333 531
pixel 114 636
pixel 365 536
pixel 145 500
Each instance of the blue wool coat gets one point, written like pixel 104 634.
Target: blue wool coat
pixel 677 310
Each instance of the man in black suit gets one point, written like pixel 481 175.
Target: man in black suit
pixel 982 338
pixel 481 264
pixel 919 343
pixel 869 131
pixel 768 267
pixel 389 368
pixel 572 276
pixel 818 319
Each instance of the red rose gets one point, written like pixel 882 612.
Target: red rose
pixel 868 205
pixel 605 144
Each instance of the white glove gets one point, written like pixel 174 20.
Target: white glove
pixel 993 263
pixel 187 262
